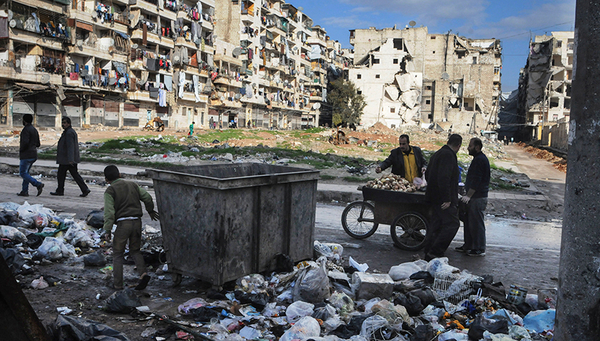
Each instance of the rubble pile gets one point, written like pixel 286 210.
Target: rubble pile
pixel 392 182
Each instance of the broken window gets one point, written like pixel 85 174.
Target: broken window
pixel 461 54
pixel 559 43
pixel 554 103
pixel 567 104
pixel 398 44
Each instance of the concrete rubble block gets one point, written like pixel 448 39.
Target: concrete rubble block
pixel 367 285
pixel 410 98
pixel 404 81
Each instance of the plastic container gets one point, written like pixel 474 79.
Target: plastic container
pixel 221 222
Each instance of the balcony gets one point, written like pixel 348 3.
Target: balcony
pixel 121 23
pixel 79 83
pixel 153 38
pixel 247 18
pixel 181 41
pixel 207 25
pixel 46 5
pixel 227 59
pixel 28 74
pixel 143 96
pixel 189 96
pixel 223 80
pixel 102 51
pixel 35 38
pixel 146 6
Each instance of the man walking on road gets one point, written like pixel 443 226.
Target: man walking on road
pixel 67 157
pixel 442 194
pixel 122 206
pixel 29 141
pixel 477 187
pixel 406 160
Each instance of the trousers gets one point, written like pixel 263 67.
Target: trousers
pixel 474 224
pixel 62 175
pixel 24 167
pixel 442 229
pixel 127 231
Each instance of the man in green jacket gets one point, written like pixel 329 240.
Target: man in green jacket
pixel 122 206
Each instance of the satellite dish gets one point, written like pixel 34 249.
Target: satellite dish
pixel 12 23
pixel 412 23
pixel 134 46
pixel 45 79
pixel 238 96
pixel 317 106
pixel 301 8
pixel 18 63
pixel 131 16
pixel 222 98
pixel 236 52
pixel 445 76
pixel 80 43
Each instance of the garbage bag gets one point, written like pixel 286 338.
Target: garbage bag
pixel 411 302
pixel 34 241
pixel 67 328
pixel 426 295
pixel 422 332
pixel 94 259
pixel 194 303
pixel 55 248
pixel 205 314
pixel 122 302
pixel 440 266
pixel 297 310
pixel 79 236
pixel 342 302
pixel 539 321
pixel 284 263
pixel 95 219
pixel 352 328
pixel 392 313
pixel 377 328
pixel 12 233
pixel 257 300
pixel 331 251
pixel 454 335
pixel 482 324
pixel 324 313
pixel 305 328
pixel 14 259
pixel 7 217
pixel 405 270
pixel 312 284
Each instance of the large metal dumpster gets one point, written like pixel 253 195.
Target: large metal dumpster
pixel 221 222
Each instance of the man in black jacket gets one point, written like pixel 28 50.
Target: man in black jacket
pixel 29 141
pixel 442 194
pixel 67 157
pixel 477 187
pixel 406 160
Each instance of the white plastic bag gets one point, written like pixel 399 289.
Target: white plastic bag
pixel 453 334
pixel 440 266
pixel 79 235
pixel 297 310
pixel 305 328
pixel 405 270
pixel 360 267
pixel 12 233
pixel 372 324
pixel 55 248
pixel 39 283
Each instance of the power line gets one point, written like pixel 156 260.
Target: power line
pixel 538 29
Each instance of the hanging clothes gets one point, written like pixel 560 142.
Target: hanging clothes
pixel 162 98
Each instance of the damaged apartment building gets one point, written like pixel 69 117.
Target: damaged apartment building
pixel 122 63
pixel 409 76
pixel 545 88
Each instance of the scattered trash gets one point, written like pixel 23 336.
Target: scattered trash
pixel 39 283
pixel 94 259
pixel 122 302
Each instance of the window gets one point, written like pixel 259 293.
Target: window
pixel 432 37
pixel 559 43
pixel 428 87
pixel 496 70
pixel 359 92
pixel 377 76
pixel 428 101
pixel 358 76
pixel 392 110
pixel 375 61
pixel 433 52
pixel 395 60
pixel 474 60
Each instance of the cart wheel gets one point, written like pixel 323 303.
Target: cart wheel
pixel 358 220
pixel 408 231
pixel 177 278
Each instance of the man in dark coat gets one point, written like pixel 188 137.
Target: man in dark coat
pixel 67 158
pixel 442 194
pixel 477 187
pixel 406 160
pixel 29 141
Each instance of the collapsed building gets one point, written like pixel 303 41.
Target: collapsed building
pixel 409 76
pixel 545 89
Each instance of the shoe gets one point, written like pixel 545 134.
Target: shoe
pixel 57 193
pixel 143 282
pixel 40 188
pixel 84 194
pixel 23 194
pixel 461 249
pixel 476 253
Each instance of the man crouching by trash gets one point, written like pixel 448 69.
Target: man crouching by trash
pixel 122 206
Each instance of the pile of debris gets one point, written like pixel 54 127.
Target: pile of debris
pixel 321 299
